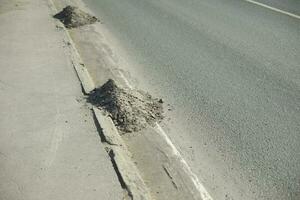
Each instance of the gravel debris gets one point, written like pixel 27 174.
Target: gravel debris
pixel 73 17
pixel 131 110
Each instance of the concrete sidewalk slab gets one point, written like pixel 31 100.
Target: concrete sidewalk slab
pixel 49 145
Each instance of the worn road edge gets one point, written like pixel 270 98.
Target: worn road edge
pixel 126 170
pixel 128 174
pixel 86 80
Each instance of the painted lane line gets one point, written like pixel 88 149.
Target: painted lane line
pixel 125 80
pixel 199 186
pixel 274 9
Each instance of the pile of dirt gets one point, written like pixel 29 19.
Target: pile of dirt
pixel 73 17
pixel 130 110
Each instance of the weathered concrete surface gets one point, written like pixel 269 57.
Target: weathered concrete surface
pixel 49 146
pixel 128 173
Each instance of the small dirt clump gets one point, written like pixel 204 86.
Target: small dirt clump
pixel 131 110
pixel 73 17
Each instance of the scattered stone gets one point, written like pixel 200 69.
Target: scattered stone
pixel 73 17
pixel 131 110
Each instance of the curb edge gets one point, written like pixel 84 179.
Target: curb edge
pixel 115 146
pixel 127 172
pixel 86 80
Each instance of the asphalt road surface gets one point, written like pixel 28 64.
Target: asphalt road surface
pixel 231 71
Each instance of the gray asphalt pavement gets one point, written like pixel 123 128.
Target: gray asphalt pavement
pixel 231 71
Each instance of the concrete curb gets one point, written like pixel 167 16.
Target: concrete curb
pixel 128 173
pixel 86 80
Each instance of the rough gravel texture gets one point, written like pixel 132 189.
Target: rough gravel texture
pixel 73 17
pixel 131 110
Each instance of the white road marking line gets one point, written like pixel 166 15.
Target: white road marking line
pixel 274 9
pixel 125 80
pixel 199 186
pixel 203 192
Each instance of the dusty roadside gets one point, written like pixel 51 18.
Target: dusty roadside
pixel 49 145
pixel 96 48
pixel 162 168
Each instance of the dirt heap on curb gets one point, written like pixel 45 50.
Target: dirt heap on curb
pixel 73 17
pixel 130 110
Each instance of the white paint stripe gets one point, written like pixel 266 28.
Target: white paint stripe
pixel 203 192
pixel 125 80
pixel 199 186
pixel 274 9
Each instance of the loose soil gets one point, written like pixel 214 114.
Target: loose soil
pixel 131 110
pixel 73 17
